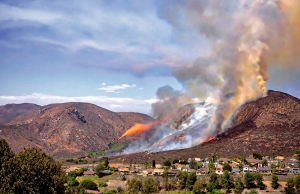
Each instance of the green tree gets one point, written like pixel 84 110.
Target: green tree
pixel 239 186
pixel 297 183
pixel 89 184
pixel 213 177
pixel 153 164
pixel 210 187
pixel 259 181
pixel 150 186
pixel 191 179
pixel 134 186
pixel 274 183
pixel 199 187
pixel 211 167
pixel 257 156
pixel 227 167
pixel 249 180
pixel 193 164
pixel 199 165
pixel 289 189
pixel 102 184
pixel 175 161
pixel 31 171
pixel 101 167
pixel 167 163
pixel 173 183
pixel 5 152
pixel 182 176
pixel 226 181
pixel 264 162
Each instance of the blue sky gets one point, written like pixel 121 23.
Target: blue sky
pixel 115 54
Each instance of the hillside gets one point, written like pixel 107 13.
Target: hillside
pixel 9 112
pixel 267 125
pixel 68 128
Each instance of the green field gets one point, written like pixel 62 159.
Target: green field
pixel 116 147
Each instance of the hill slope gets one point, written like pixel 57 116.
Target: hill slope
pixel 10 112
pixel 69 128
pixel 267 125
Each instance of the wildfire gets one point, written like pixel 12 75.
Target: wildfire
pixel 140 128
pixel 207 140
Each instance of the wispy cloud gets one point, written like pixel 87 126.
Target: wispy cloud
pixel 116 88
pixel 138 38
pixel 113 104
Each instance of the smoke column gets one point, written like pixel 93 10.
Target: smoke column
pixel 243 39
pixel 246 38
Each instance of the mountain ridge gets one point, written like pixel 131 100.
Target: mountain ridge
pixel 69 128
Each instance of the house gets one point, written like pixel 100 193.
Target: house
pixel 223 160
pixel 219 170
pixel 249 169
pixel 201 171
pixel 281 171
pixel 279 158
pixel 89 173
pixel 293 162
pixel 266 158
pixel 115 165
pixel 196 159
pixel 255 162
pixel 123 169
pixel 159 166
pixel 191 170
pixel 179 166
pixel 148 171
pixel 158 172
pixel 185 168
pixel 173 172
pixel 234 165
pixel 235 170
pixel 294 170
pixel 265 170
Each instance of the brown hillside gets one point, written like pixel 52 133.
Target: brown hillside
pixel 69 128
pixel 10 112
pixel 267 125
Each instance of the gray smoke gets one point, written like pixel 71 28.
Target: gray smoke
pixel 245 39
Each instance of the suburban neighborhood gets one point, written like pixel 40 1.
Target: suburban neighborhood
pixel 268 167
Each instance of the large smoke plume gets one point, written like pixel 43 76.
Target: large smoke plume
pixel 245 39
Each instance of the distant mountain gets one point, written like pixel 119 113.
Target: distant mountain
pixel 267 125
pixel 65 129
pixel 10 112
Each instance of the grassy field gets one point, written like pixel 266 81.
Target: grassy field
pixel 116 147
pixel 112 181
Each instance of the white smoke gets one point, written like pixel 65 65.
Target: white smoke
pixel 245 38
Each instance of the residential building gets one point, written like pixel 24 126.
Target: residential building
pixel 158 172
pixel 294 170
pixel 264 170
pixel 148 171
pixel 89 173
pixel 173 172
pixel 201 171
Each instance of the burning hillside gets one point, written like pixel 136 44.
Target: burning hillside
pixel 246 39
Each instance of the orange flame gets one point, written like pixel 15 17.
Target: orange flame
pixel 207 140
pixel 140 128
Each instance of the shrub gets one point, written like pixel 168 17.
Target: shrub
pixel 102 184
pixel 89 184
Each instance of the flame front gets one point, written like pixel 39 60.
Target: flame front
pixel 140 128
pixel 207 140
